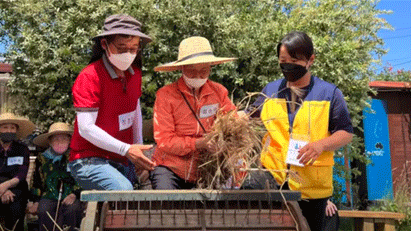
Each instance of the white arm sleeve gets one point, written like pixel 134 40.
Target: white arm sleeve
pixel 88 129
pixel 138 125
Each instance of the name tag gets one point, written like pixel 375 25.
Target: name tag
pixel 126 120
pixel 293 148
pixel 208 110
pixel 18 160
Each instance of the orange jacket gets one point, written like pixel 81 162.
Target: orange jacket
pixel 176 129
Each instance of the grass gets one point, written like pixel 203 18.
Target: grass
pixel 400 202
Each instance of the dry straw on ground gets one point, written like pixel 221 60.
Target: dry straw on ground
pixel 5 229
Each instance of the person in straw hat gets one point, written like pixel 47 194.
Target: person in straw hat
pixel 14 163
pixel 183 112
pixel 107 131
pixel 51 175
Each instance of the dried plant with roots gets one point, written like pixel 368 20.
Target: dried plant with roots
pixel 236 141
pixel 237 144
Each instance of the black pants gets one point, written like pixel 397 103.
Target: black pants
pixel 69 215
pixel 163 178
pixel 332 223
pixel 16 210
pixel 313 209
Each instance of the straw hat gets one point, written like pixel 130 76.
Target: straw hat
pixel 193 50
pixel 25 126
pixel 55 129
pixel 123 24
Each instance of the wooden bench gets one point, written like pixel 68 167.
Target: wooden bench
pixel 365 220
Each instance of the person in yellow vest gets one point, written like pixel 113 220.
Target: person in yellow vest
pixel 306 119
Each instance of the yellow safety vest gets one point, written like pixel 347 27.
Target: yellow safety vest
pixel 311 120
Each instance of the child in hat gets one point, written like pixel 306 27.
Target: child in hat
pixel 53 185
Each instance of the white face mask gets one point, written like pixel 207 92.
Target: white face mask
pixel 194 83
pixel 121 61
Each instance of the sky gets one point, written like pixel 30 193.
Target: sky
pixel 397 41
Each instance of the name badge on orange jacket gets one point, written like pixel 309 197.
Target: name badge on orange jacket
pixel 208 110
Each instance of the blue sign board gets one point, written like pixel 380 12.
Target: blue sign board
pixel 377 147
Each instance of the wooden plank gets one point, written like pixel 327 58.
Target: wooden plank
pixel 103 213
pixel 368 224
pixel 89 221
pixel 193 195
pixel 389 225
pixel 370 214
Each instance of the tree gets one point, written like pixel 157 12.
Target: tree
pixel 51 44
pixel 389 75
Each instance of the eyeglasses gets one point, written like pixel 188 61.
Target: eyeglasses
pixel 124 49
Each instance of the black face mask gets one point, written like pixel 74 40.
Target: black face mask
pixel 293 72
pixel 7 137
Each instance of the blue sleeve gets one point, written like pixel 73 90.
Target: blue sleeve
pixel 255 109
pixel 339 114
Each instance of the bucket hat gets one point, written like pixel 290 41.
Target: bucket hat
pixel 55 129
pixel 25 126
pixel 193 50
pixel 122 24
